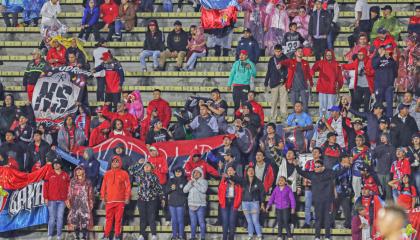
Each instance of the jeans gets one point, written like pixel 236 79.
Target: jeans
pixel 119 26
pixel 323 217
pixel 319 46
pixel 325 102
pixel 252 214
pixel 416 177
pixel 6 17
pixel 85 32
pixel 386 94
pixel 303 95
pixel 283 219
pixel 383 180
pixel 345 203
pixel 148 210
pixel 167 6
pixel 149 53
pixel 229 216
pixel 308 206
pixel 361 96
pixel 177 220
pixel 114 99
pixel 55 217
pixel 197 216
pixel 193 58
pixel 240 95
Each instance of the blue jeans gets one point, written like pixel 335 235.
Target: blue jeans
pixel 326 101
pixel 119 25
pixel 197 216
pixel 193 58
pixel 308 206
pixel 229 216
pixel 55 217
pixel 147 53
pixel 167 6
pixel 330 40
pixel 252 215
pixel 177 220
pixel 386 94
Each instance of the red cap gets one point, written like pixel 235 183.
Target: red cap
pixel 106 56
pixel 245 52
pixel 230 136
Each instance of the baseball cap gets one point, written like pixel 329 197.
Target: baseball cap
pixel 106 56
pixel 244 52
pixel 357 120
pixel 334 109
pixel 383 120
pixel 381 30
pixel 402 106
pixel 330 134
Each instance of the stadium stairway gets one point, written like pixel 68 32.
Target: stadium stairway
pixel 16 44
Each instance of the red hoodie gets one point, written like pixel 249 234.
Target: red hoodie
pixel 56 186
pixel 164 115
pixel 97 136
pixel 256 108
pixel 116 185
pixel 291 69
pixel 330 77
pixel 160 168
pixel 190 165
pixel 109 12
pixel 389 40
pixel 129 121
pixel 370 73
pixel 60 55
pixel 237 195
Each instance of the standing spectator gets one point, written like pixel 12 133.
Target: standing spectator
pixel 35 68
pixel 204 125
pixel 196 47
pixel 403 126
pixel 121 152
pixel 388 22
pixel 197 204
pixel 408 99
pixel 401 166
pixel 150 191
pixel 310 167
pixel 360 227
pixel 334 10
pixel 362 17
pixel 70 137
pixel 24 132
pixel 255 19
pixel 414 22
pixel 90 20
pixel 302 21
pixel 157 108
pixel 76 48
pixel 36 152
pixel 11 7
pixel 10 148
pixel 230 198
pixel 384 39
pixel 256 107
pixel 56 55
pixel 218 108
pixel 197 162
pixel 331 151
pixel 7 114
pixel 154 43
pixel 299 78
pixel 91 166
pixel 177 42
pixel 284 200
pixel 80 201
pixel 31 12
pixel 330 81
pixel 275 79
pixel 55 197
pixel 240 77
pixel 373 121
pixel 344 191
pixel 108 14
pixel 157 133
pixel 49 13
pixel 276 25
pixel 407 70
pixel 176 201
pixel 414 154
pixel 361 156
pixel 292 40
pixel 114 78
pixel 250 45
pixel 362 42
pixel 319 28
pixel 115 193
pixel 335 124
pixel 264 171
pixel 250 120
pixel 384 156
pixel 101 48
pixel 127 18
pixel 159 164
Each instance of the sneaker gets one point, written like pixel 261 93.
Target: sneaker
pixel 140 238
pixel 250 238
pixel 154 237
pixel 178 10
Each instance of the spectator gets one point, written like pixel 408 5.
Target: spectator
pixel 361 156
pixel 408 61
pixel 101 48
pixel 70 137
pixel 299 78
pixel 218 108
pixel 118 129
pixel 310 167
pixel 35 68
pixel 374 15
pixel 46 136
pixel 250 45
pixel 240 78
pixel 388 22
pixel 408 99
pixel 244 140
pixel 414 22
pixel 413 154
pixel 269 140
pixel 360 227
pixel 344 192
pixel 82 120
pixel 196 47
pixel 255 18
pixel 228 147
pixel 49 13
pixel 320 134
pixel 76 48
pixel 353 130
pixel 204 125
pixel 90 20
pixel 127 18
pixel 275 79
pixel 176 201
pixel 330 81
pixel 403 126
pixel 197 162
pixel 157 108
pixel 129 121
pixel 333 9
pixel 384 156
pixel 150 191
pixel 299 122
pixel 91 166
pixel 11 7
pixel 167 6
pixel 108 14
pixel 146 6
pixel 99 134
pixel 362 42
pixel 407 193
pixel 56 55
pixel 196 189
pixel 331 151
pixel 80 202
pixel 177 42
pixel 372 121
pixel 302 21
pixel 256 107
pixel 154 44
pixel 157 133
pixel 24 132
pixel 8 114
pixel 319 28
pixel 362 18
pixel 115 193
pixel 31 12
pixel 264 171
pixel 159 164
pixel 250 120
pixel 134 105
pixel 276 25
pixel 400 167
pixel 284 200
pixel 292 40
pixel 230 198
pixel 120 151
pixel 36 152
pixel 55 197
pixel 384 39
pixel 114 78
pixel 335 124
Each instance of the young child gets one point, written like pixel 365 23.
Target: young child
pixel 284 200
pixel 292 40
pixel 360 227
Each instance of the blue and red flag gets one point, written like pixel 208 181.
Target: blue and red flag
pixel 218 14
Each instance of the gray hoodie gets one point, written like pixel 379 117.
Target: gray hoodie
pixel 196 190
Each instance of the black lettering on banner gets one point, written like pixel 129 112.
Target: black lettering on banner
pixel 46 93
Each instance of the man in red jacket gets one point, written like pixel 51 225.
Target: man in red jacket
pixel 108 14
pixel 256 107
pixel 115 192
pixel 194 162
pixel 56 55
pixel 100 133
pixel 384 39
pixel 330 81
pixel 55 192
pixel 299 79
pixel 160 165
pixel 129 121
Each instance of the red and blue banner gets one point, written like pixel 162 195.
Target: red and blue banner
pixel 21 198
pixel 218 14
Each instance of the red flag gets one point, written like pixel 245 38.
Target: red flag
pixel 218 19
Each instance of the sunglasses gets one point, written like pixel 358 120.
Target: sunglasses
pixel 318 166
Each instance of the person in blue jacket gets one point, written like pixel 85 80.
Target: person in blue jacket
pixel 89 20
pixel 91 166
pixel 13 8
pixel 249 44
pixel 31 12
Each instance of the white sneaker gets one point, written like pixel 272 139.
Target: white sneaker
pixel 178 10
pixel 140 238
pixel 279 238
pixel 154 237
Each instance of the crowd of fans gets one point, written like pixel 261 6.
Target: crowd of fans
pixel 357 149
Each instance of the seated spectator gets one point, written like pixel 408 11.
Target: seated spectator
pixel 157 108
pixel 31 12
pixel 196 47
pixel 13 8
pixel 56 55
pixel 129 121
pixel 388 22
pixel 256 107
pixel 118 129
pixel 302 22
pixel 99 134
pixel 153 45
pixel 127 18
pixel 108 14
pixel 157 133
pixel 70 137
pixel 403 126
pixel 204 125
pixel 35 68
pixel 275 26
pixel 383 39
pixel 195 161
pixel 76 47
pixel 250 120
pixel 299 122
pixel 49 13
pixel 90 20
pixel 177 42
pixel 414 22
pixel 250 45
pixel 292 40
pixel 91 166
pixel 407 72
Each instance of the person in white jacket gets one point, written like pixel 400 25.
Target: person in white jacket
pixel 49 12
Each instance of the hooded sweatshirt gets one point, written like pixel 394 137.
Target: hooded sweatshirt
pixel 116 185
pixel 385 71
pixel 154 41
pixel 135 107
pixel 49 13
pixel 176 197
pixel 369 72
pixel 160 168
pixel 190 166
pixel 177 41
pixel 241 74
pixel 90 15
pixel 109 12
pixel 330 77
pixel 129 121
pixel 114 75
pixel 97 136
pixel 251 46
pixel 196 189
pixel 56 186
pixel 126 160
pixel 91 166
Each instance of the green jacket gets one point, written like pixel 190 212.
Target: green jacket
pixel 391 24
pixel 240 74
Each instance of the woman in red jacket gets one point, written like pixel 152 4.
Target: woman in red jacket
pixel 230 198
pixel 160 165
pixel 108 13
pixel 56 55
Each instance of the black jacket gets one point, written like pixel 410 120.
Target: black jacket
pixel 34 156
pixel 385 71
pixel 24 135
pixel 325 21
pixel 384 156
pixel 401 132
pixel 6 148
pixel 177 41
pixel 254 192
pixel 275 77
pixel 251 46
pixel 177 197
pixel 154 42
